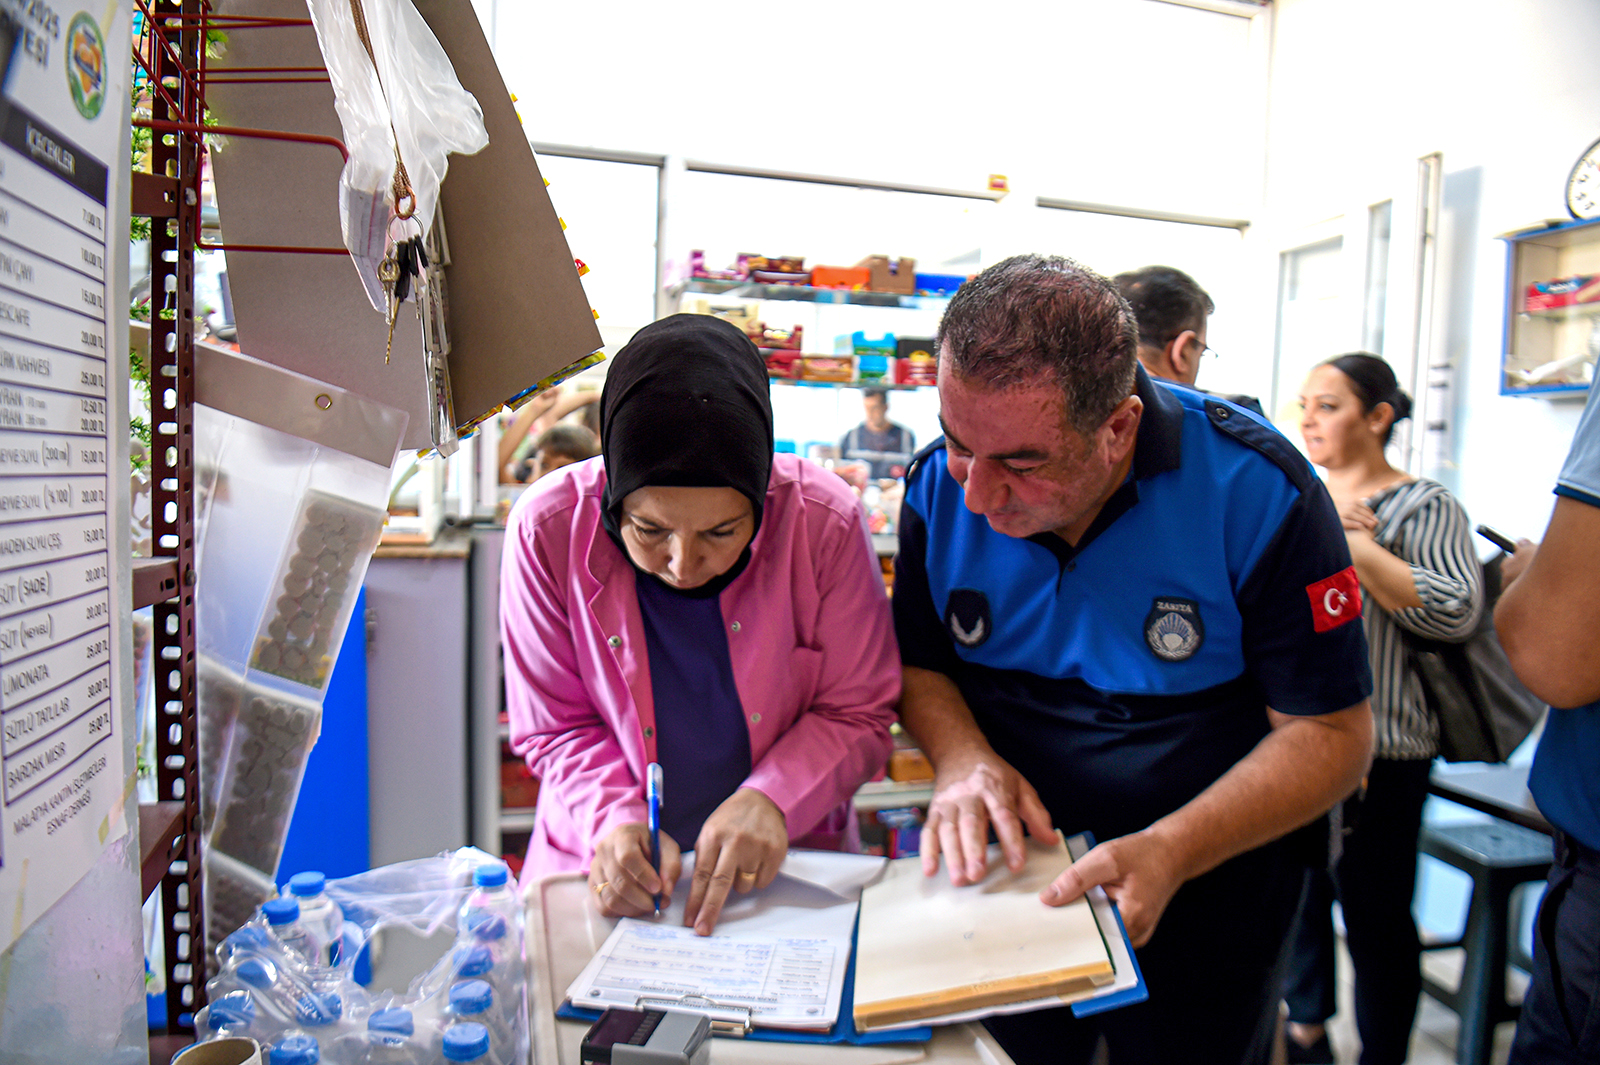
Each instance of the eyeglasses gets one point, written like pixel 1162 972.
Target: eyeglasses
pixel 1208 350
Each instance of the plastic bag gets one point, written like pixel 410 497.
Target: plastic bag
pixel 267 990
pixel 404 93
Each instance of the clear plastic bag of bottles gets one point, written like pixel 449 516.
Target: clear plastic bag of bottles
pixel 285 981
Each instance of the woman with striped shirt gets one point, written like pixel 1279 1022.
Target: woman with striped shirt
pixel 1412 547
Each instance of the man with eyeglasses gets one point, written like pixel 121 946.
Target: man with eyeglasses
pixel 1171 309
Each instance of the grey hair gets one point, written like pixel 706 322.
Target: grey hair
pixel 1032 315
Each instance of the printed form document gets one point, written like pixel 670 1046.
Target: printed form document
pixel 777 959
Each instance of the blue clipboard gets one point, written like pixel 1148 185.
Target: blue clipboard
pixel 843 1030
pixel 1128 996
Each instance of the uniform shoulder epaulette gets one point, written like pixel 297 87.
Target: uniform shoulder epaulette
pixel 1262 438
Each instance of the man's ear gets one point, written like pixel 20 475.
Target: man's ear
pixel 1117 433
pixel 1185 367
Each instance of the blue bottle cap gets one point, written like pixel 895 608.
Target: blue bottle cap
pixel 466 1041
pixel 307 883
pixel 258 973
pixel 473 961
pixel 492 874
pixel 319 1009
pixel 487 926
pixel 281 911
pixel 234 1008
pixel 250 937
pixel 296 1050
pixel 471 997
pixel 394 1020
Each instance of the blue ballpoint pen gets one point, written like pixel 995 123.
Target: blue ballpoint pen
pixel 653 797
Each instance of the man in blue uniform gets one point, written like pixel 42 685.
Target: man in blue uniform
pixel 1547 621
pixel 1126 609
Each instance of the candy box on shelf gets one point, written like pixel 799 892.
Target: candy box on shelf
pixel 784 364
pixel 767 337
pixel 858 343
pixel 840 277
pixel 838 369
pixel 1562 292
pixel 777 264
pixel 939 284
pixel 874 369
pixel 890 275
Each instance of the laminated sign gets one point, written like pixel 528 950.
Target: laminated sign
pixel 63 177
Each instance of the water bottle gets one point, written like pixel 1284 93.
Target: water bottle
pixel 283 918
pixel 391 1039
pixel 248 939
pixel 463 1041
pixel 295 1048
pixel 230 1014
pixel 319 915
pixel 491 920
pixel 316 1010
pixel 474 1001
pixel 491 897
pixel 271 993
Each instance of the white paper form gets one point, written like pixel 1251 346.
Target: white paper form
pixel 779 954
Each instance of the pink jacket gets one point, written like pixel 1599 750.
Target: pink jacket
pixel 809 634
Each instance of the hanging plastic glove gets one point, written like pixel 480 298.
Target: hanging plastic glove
pixel 403 113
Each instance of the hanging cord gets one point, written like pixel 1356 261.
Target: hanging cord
pixel 401 186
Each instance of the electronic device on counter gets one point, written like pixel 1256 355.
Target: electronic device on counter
pixel 648 1037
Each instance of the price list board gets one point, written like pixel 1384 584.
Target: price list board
pixel 61 764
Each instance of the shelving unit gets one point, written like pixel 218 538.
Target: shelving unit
pixel 1550 352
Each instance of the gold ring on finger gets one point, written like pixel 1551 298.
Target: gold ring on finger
pixel 747 878
pixel 599 889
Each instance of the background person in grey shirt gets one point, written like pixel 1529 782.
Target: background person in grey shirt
pixel 880 443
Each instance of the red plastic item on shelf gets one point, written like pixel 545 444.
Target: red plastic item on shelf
pixel 840 276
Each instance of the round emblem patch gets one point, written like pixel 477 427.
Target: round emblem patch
pixel 967 616
pixel 86 65
pixel 1173 629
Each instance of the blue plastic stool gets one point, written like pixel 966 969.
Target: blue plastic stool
pixel 1499 857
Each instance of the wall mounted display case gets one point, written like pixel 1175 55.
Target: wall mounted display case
pixel 1552 330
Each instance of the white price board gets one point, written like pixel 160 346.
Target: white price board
pixel 63 120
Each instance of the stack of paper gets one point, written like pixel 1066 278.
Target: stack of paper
pixel 931 950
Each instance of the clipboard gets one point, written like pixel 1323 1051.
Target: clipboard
pixel 1126 988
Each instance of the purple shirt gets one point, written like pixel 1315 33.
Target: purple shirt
pixel 702 742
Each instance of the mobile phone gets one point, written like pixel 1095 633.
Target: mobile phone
pixel 1500 540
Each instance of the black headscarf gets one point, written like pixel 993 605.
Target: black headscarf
pixel 686 404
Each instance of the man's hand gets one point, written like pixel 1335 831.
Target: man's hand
pixel 1138 873
pixel 970 794
pixel 620 875
pixel 741 846
pixel 1512 566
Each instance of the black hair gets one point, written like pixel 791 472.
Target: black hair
pixel 1165 302
pixel 1032 315
pixel 875 393
pixel 1373 381
pixel 575 442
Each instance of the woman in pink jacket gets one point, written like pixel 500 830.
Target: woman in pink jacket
pixel 692 599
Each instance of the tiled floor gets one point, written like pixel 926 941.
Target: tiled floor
pixel 1433 1040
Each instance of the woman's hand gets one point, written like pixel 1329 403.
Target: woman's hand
pixel 1358 517
pixel 741 846
pixel 620 875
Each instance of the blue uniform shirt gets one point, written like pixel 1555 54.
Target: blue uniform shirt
pixel 1564 778
pixel 1123 676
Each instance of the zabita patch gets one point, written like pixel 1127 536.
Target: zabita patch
pixel 1173 629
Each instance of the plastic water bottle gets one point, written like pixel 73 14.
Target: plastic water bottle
pixel 491 897
pixel 230 1014
pixel 464 1041
pixel 316 1010
pixel 272 996
pixel 491 920
pixel 283 918
pixel 319 915
pixel 248 939
pixel 391 1039
pixel 473 1001
pixel 295 1048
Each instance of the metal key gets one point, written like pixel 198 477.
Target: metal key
pixel 389 273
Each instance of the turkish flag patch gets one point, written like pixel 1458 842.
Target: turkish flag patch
pixel 1335 600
